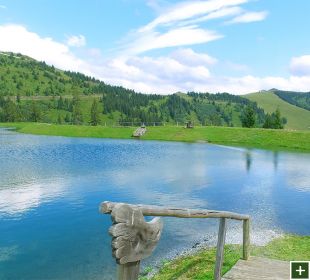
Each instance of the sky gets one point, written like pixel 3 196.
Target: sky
pixel 167 46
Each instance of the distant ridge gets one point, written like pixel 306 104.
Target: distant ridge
pixel 297 117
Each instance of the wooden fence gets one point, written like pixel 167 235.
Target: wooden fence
pixel 133 239
pixel 148 124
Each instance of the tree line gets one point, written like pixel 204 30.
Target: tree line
pixel 22 76
pixel 140 108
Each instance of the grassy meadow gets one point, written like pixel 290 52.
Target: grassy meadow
pixel 297 118
pixel 200 266
pixel 243 137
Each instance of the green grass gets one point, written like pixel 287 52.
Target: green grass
pixel 297 118
pixel 71 130
pixel 198 266
pixel 201 265
pixel 243 137
pixel 288 248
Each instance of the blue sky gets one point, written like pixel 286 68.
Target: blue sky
pixel 164 46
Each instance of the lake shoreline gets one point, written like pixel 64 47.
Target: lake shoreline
pixel 200 263
pixel 53 186
pixel 268 139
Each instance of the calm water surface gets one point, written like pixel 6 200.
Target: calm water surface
pixel 50 189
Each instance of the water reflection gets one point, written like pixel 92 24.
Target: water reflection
pixel 248 160
pixel 50 189
pixel 21 198
pixel 275 160
pixel 297 173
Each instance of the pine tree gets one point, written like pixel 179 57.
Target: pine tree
pixel 94 113
pixel 67 118
pixel 10 113
pixel 35 112
pixel 18 98
pixel 60 103
pixel 59 119
pixel 274 120
pixel 77 116
pixel 248 117
pixel 268 122
pixel 277 120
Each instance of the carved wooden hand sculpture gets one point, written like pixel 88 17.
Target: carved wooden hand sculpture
pixel 133 238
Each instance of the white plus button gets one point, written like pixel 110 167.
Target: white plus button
pixel 300 270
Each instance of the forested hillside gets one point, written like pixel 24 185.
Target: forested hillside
pixel 34 91
pixel 22 75
pixel 299 99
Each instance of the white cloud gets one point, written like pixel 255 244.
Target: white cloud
pixel 191 58
pixel 189 9
pixel 188 35
pixel 300 66
pixel 249 17
pixel 2 7
pixel 180 70
pixel 180 24
pixel 225 12
pixel 16 38
pixel 166 75
pixel 76 41
pixel 172 73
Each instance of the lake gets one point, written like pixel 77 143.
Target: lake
pixel 51 187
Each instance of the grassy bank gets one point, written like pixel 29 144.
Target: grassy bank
pixel 201 265
pixel 244 137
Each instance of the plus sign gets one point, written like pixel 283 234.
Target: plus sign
pixel 300 270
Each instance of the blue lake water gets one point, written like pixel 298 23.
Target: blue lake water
pixel 51 187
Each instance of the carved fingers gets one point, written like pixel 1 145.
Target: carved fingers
pixel 133 238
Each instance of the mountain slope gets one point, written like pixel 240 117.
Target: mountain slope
pixel 299 99
pixel 34 91
pixel 297 118
pixel 22 75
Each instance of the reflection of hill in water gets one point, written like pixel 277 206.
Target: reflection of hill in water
pixel 51 188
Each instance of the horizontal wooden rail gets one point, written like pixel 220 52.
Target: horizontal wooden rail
pixel 149 210
pixel 129 217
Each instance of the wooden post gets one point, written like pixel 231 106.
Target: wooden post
pixel 246 239
pixel 220 249
pixel 134 239
pixel 129 271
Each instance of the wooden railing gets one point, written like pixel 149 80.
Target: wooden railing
pixel 133 239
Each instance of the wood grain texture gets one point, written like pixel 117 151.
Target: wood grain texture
pixel 133 238
pixel 149 210
pixel 220 249
pixel 129 271
pixel 246 239
pixel 259 269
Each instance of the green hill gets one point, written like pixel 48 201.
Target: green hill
pixel 299 99
pixel 297 118
pixel 22 75
pixel 34 91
